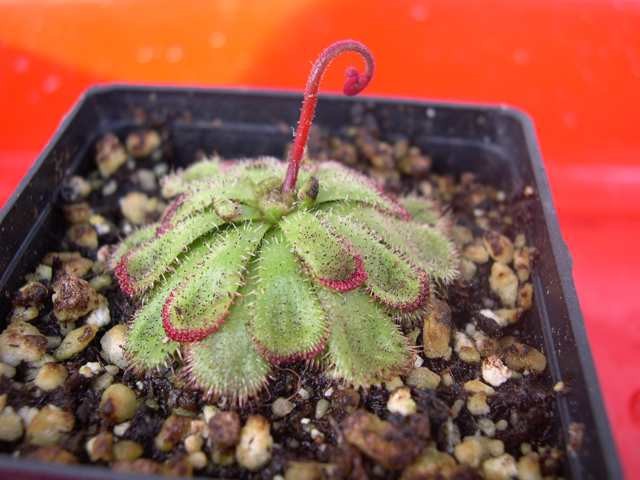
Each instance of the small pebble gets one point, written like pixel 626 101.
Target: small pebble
pixel 400 402
pixel 161 169
pixel 424 378
pixel 73 298
pixel 43 273
pixel 304 394
pixel 27 414
pixel 487 426
pixel 461 235
pixel 83 235
pixel 121 428
pixel 197 460
pixel 100 317
pixel 321 408
pixel 525 297
pixel 118 403
pixel 49 425
pixel 494 371
pixel 193 443
pixel 224 429
pixel 437 330
pixel 103 381
pixel 11 428
pixel 499 247
pixel 110 155
pixel 500 468
pixel 254 449
pixel 100 224
pixel 208 411
pixel 75 188
pixel 491 315
pixel 75 342
pixel 101 282
pixel 474 449
pixel 470 451
pixel 447 378
pixel 522 358
pixel 90 369
pixel 31 294
pixel 476 252
pixel 174 430
pixel 529 467
pixel 21 341
pixel 509 316
pixel 477 404
pixel 468 269
pixel 77 212
pixel 465 348
pixel 109 188
pixel 282 407
pixel 303 471
pixel 127 450
pixel 522 263
pixel 50 376
pixel 456 408
pixel 477 386
pixel 504 284
pixel 24 314
pixel 100 447
pixel 484 344
pixel 138 208
pixel 113 344
pixel 147 180
pixel 7 371
pixel 393 384
pixel 143 143
pixel 72 263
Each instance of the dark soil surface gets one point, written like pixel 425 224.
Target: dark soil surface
pixel 515 435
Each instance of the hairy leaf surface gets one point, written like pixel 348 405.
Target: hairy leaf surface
pixel 200 303
pixel 288 321
pixel 364 346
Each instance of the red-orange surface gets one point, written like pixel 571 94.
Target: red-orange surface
pixel 573 65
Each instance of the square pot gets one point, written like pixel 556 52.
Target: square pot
pixel 495 142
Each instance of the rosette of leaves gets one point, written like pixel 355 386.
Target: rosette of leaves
pixel 244 271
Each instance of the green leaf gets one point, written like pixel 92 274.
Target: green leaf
pixel 288 321
pixel 177 183
pixel 134 239
pixel 198 306
pixel 226 363
pixel 391 279
pixel 260 169
pixel 147 343
pixel 340 183
pixel 143 266
pixel 205 169
pixel 423 210
pixel 365 347
pixel 226 197
pixel 428 247
pixel 433 251
pixel 329 258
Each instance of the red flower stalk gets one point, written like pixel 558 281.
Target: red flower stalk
pixel 354 84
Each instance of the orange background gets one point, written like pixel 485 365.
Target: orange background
pixel 573 65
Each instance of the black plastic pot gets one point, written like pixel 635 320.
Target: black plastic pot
pixel 497 143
